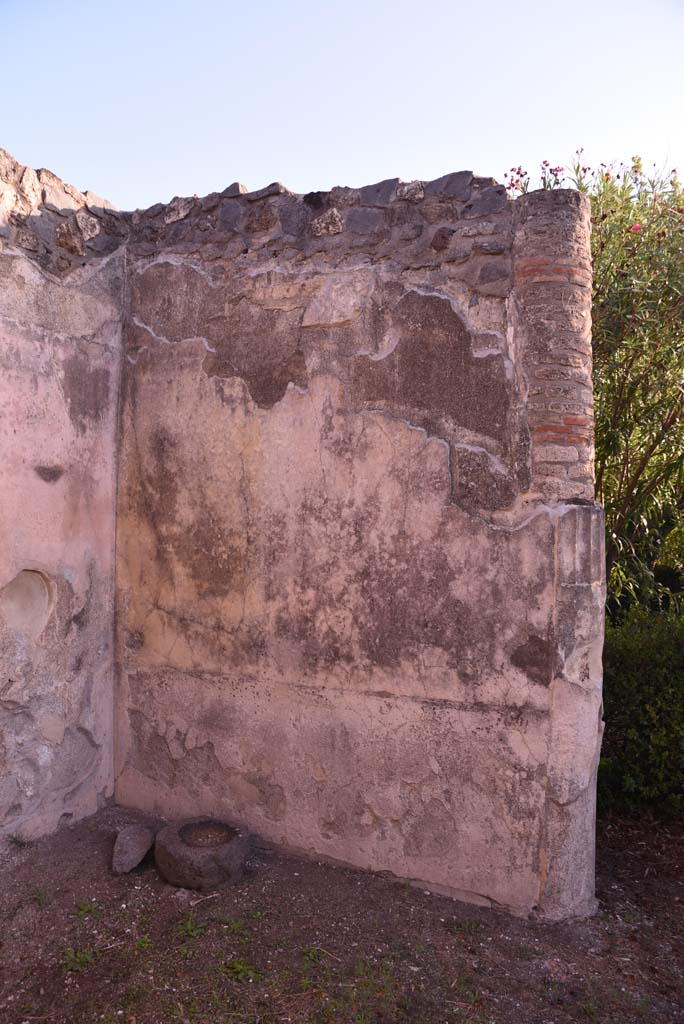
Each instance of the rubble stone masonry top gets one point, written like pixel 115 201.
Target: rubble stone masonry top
pixel 307 484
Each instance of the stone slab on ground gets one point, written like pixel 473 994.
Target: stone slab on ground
pixel 131 846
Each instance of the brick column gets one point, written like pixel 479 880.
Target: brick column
pixel 551 337
pixel 551 318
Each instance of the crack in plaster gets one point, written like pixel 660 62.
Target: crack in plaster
pixel 166 341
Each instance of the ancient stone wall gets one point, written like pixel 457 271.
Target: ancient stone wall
pixel 60 344
pixel 359 569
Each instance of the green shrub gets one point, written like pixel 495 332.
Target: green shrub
pixel 642 763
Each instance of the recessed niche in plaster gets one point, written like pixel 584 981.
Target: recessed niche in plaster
pixel 26 603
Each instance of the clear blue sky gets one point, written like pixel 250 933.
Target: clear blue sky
pixel 140 100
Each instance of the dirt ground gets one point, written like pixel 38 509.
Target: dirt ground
pixel 298 940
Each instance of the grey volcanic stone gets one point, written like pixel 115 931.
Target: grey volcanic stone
pixel 131 845
pixel 276 188
pixel 455 186
pixel 364 220
pixel 294 216
pixel 200 866
pixel 236 189
pixel 490 200
pixel 379 194
pixel 230 214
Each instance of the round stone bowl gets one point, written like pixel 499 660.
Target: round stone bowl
pixel 201 853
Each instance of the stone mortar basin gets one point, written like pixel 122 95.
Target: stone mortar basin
pixel 202 853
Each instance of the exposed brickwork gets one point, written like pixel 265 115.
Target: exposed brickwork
pixel 552 306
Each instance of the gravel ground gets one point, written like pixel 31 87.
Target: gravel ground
pixel 303 941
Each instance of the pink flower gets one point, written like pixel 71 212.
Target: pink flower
pixel 635 227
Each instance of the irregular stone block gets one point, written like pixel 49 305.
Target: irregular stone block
pixel 236 189
pixel 454 186
pixel 413 191
pixel 380 194
pixel 488 201
pixel 274 189
pixel 364 221
pixel 131 846
pixel 329 223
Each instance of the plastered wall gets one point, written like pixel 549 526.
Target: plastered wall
pixel 359 570
pixel 60 345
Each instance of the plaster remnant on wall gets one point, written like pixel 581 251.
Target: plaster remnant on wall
pixel 345 440
pixel 60 347
pixel 25 603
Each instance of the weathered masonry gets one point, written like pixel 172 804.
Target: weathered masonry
pixel 297 523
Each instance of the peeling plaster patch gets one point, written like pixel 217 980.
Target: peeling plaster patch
pixel 26 603
pixel 536 657
pixel 430 376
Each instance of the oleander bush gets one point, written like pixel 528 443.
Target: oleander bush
pixel 642 763
pixel 638 346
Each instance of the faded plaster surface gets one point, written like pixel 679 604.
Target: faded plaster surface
pixel 60 344
pixel 360 607
pixel 359 570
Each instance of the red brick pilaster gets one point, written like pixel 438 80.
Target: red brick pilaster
pixel 551 317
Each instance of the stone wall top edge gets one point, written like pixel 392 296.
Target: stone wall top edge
pixel 543 202
pixel 40 181
pixel 58 226
pixel 455 184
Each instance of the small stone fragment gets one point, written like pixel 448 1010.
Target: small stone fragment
pixel 89 225
pixel 131 845
pixel 441 238
pixel 178 208
pixel 236 189
pixel 276 188
pixel 413 191
pixel 329 223
pixel 69 237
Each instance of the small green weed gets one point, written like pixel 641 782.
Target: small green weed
pixel 313 954
pixel 143 943
pixel 240 970
pixel 363 969
pixel 464 987
pixel 234 925
pixel 76 960
pixel 468 929
pixel 86 910
pixel 191 929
